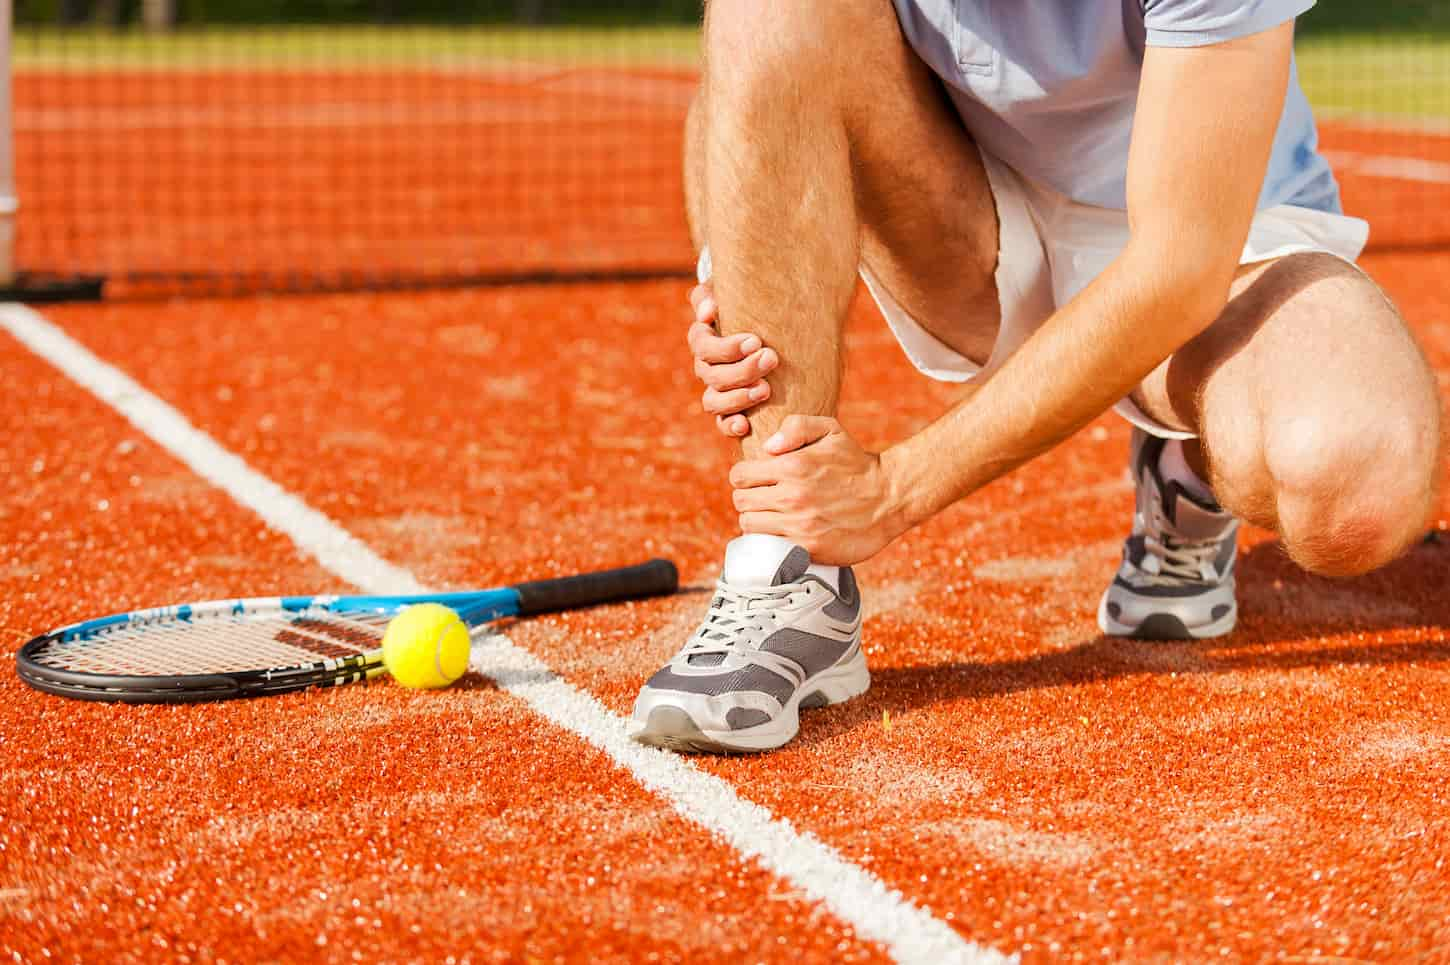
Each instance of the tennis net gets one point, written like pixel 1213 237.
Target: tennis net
pixel 251 158
pixel 247 157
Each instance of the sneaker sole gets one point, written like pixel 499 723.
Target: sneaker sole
pixel 1165 626
pixel 672 728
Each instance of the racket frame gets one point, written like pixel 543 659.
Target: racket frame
pixel 474 607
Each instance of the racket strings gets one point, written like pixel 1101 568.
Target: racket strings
pixel 218 644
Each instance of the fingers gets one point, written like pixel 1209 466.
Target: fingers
pixel 733 426
pixel 740 385
pixel 798 431
pixel 748 473
pixel 709 346
pixel 779 498
pixel 781 466
pixel 702 300
pixel 737 375
pixel 731 366
pixel 720 403
pixel 774 524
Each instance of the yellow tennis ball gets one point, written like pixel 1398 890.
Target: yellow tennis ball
pixel 426 646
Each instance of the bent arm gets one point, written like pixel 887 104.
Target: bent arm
pixel 1202 137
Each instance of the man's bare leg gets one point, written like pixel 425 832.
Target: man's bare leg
pixel 779 209
pixel 1318 415
pixel 818 140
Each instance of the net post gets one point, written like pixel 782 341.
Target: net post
pixel 9 204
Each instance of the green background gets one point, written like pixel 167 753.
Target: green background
pixel 1374 58
pixel 1330 16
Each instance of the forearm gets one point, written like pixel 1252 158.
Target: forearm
pixel 1085 358
pixel 1190 204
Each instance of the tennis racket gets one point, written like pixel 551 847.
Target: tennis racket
pixel 226 649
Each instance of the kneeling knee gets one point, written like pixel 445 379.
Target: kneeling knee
pixel 1351 500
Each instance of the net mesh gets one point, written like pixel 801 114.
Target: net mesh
pixel 267 155
pixel 346 156
pixel 218 641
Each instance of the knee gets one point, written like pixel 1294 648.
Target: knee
pixel 1351 497
pixel 765 50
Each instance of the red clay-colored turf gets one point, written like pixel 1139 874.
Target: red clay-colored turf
pixel 368 821
pixel 1279 795
pixel 1405 215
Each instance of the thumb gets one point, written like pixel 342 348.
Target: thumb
pixel 798 431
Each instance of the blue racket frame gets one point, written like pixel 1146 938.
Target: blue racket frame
pixel 474 607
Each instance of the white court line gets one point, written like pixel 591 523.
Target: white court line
pixel 1376 123
pixel 337 114
pixel 610 96
pixel 875 910
pixel 1390 166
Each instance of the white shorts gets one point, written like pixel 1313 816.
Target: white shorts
pixel 1051 247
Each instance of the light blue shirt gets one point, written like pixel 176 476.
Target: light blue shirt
pixel 1050 86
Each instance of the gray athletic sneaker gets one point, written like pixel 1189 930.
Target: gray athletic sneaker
pixel 766 648
pixel 1176 581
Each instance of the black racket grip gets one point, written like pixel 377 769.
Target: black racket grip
pixel 655 578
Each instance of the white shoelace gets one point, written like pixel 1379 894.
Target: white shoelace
pixel 1171 559
pixel 740 618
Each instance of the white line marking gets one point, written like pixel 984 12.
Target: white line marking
pixel 875 910
pixel 510 113
pixel 1390 166
pixel 335 548
pixel 1373 122
pixel 595 97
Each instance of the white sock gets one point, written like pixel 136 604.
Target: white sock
pixel 1173 464
pixel 831 574
pixel 753 560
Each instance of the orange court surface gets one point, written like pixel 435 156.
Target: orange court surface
pixel 1013 784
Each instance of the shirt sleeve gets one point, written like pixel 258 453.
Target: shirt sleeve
pixel 1198 23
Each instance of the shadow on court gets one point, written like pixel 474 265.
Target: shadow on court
pixel 1267 641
